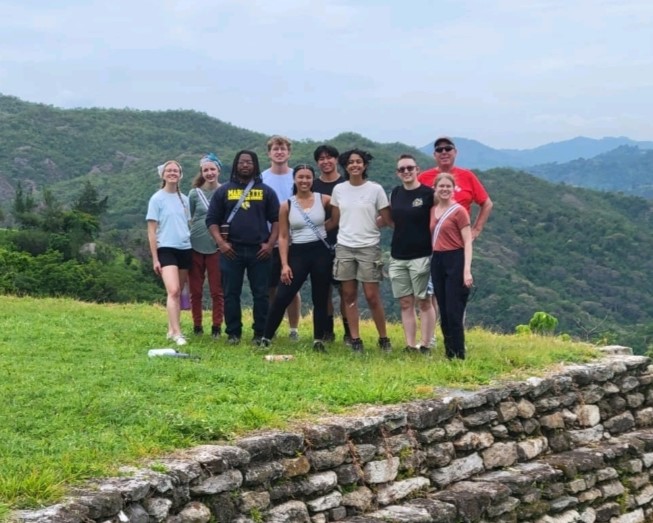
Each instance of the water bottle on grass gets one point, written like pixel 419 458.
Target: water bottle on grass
pixel 168 353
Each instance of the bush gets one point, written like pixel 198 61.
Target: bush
pixel 543 323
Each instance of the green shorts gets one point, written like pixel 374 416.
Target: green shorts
pixel 410 277
pixel 362 263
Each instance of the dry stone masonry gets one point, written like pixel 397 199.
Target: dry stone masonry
pixel 576 446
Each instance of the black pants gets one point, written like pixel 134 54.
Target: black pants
pixel 305 259
pixel 451 294
pixel 233 274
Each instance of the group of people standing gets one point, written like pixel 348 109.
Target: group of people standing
pixel 286 225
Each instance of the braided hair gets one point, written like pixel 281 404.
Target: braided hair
pixel 162 169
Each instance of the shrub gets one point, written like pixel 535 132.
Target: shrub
pixel 543 323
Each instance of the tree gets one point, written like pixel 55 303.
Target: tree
pixel 88 201
pixel 23 208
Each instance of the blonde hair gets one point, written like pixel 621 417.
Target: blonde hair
pixel 277 139
pixel 181 175
pixel 444 176
pixel 162 169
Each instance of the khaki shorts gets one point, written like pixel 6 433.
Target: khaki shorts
pixel 363 264
pixel 410 277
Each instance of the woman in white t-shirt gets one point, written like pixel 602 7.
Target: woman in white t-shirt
pixel 356 203
pixel 168 235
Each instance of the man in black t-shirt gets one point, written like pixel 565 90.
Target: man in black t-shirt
pixel 326 157
pixel 410 253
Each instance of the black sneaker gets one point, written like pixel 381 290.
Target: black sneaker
pixel 233 339
pixel 329 336
pixel 424 350
pixel 385 345
pixel 318 346
pixel 198 330
pixel 411 350
pixel 261 341
pixel 356 344
pixel 216 331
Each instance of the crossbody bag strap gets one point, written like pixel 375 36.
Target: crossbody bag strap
pixel 202 197
pixel 309 222
pixel 447 213
pixel 239 203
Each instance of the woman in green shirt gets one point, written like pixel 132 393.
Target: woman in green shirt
pixel 206 257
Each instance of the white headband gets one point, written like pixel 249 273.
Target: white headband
pixel 162 166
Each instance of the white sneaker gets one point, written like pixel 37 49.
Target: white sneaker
pixel 179 339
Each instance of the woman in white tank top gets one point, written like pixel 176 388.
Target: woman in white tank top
pixel 302 219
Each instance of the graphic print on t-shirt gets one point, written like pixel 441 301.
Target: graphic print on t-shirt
pixel 255 195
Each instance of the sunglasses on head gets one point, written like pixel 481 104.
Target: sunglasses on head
pixel 408 168
pixel 444 148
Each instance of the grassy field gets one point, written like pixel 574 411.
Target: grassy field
pixel 79 397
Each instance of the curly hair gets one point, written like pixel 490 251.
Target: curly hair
pixel 343 160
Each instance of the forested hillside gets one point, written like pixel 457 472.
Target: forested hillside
pixel 585 256
pixel 582 255
pixel 118 151
pixel 625 169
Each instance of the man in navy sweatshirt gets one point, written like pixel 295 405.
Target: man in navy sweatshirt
pixel 248 244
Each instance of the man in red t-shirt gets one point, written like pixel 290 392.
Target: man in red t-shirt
pixel 468 187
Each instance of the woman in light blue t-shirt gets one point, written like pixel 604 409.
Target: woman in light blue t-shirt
pixel 168 235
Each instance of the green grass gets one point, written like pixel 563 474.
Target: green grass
pixel 79 397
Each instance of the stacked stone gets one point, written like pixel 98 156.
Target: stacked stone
pixel 570 447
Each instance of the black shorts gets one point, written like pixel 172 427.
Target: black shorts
pixel 182 258
pixel 274 276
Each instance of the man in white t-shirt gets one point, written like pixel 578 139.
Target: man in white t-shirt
pixel 280 177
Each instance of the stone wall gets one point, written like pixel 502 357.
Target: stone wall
pixel 574 446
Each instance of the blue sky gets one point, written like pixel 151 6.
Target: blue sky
pixel 509 73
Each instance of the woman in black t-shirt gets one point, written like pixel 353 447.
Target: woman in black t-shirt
pixel 410 255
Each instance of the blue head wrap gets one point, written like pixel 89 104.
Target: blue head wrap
pixel 211 157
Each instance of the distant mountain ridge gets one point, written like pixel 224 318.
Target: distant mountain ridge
pixel 625 169
pixel 475 155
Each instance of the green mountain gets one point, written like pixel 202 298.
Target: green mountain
pixel 582 255
pixel 626 169
pixel 118 151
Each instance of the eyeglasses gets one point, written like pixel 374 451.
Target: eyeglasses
pixel 408 168
pixel 444 148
